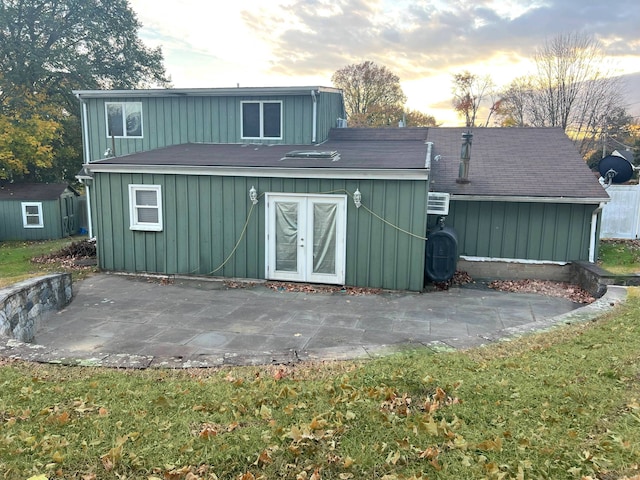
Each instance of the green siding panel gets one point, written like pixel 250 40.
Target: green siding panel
pixel 177 120
pixel 204 216
pixel 11 222
pixel 532 231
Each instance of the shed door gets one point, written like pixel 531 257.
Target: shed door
pixel 68 216
pixel 306 238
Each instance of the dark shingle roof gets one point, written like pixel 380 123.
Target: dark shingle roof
pixel 523 162
pixel 360 148
pixel 32 191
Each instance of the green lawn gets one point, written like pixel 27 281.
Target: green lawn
pixel 620 256
pixel 559 405
pixel 15 259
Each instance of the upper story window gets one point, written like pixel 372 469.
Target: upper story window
pixel 262 120
pixel 32 215
pixel 124 119
pixel 145 207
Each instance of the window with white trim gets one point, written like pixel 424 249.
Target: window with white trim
pixel 124 119
pixel 145 207
pixel 261 120
pixel 32 215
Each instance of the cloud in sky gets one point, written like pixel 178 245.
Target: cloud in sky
pixel 298 42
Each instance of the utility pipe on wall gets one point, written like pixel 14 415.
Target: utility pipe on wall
pixel 85 155
pixel 594 232
pixel 315 119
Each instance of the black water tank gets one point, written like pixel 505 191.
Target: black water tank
pixel 442 254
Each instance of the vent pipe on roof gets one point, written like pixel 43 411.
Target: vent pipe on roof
pixel 465 155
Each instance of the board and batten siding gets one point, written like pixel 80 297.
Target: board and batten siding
pixel 12 226
pixel 203 218
pixel 173 120
pixel 522 230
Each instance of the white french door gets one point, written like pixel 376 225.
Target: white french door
pixel 306 237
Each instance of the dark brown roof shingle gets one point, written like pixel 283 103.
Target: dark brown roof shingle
pixel 523 162
pixel 32 191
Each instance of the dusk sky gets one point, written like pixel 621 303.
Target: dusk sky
pixel 256 43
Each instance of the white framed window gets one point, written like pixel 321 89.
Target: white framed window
pixel 32 215
pixel 145 207
pixel 124 119
pixel 261 120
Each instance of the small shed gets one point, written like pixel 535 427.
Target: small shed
pixel 38 211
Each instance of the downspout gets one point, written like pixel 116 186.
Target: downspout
pixel 85 132
pixel 594 232
pixel 314 128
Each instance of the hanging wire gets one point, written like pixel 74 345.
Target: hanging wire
pixel 620 143
pixel 246 225
pixel 244 230
pixel 362 205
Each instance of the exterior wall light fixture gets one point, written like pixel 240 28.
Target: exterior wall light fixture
pixel 357 198
pixel 253 195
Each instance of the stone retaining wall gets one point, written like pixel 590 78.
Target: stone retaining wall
pixel 23 305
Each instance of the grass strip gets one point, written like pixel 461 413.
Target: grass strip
pixel 558 405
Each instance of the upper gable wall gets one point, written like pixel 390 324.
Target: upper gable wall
pixel 172 120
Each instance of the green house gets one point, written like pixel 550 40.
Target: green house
pixel 528 196
pixel 38 211
pixel 266 183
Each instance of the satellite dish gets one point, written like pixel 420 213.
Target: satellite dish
pixel 615 169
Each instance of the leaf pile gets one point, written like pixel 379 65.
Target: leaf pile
pixel 307 288
pixel 76 255
pixel 459 278
pixel 544 287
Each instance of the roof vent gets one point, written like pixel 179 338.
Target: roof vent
pixel 438 203
pixel 314 154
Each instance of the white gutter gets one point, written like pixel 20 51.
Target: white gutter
pixel 85 131
pixel 314 128
pixel 85 134
pixel 89 219
pixel 594 231
pixel 185 92
pixel 527 199
pixel 268 172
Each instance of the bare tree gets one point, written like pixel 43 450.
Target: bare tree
pixel 372 94
pixel 469 91
pixel 571 89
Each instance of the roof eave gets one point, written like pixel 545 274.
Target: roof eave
pixel 186 92
pixel 529 199
pixel 267 172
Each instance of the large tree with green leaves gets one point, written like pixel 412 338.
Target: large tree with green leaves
pixel 50 47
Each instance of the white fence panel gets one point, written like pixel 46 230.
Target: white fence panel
pixel 621 216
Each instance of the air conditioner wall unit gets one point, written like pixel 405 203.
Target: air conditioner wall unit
pixel 438 203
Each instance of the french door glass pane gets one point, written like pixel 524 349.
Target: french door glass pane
pixel 324 237
pixel 286 236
